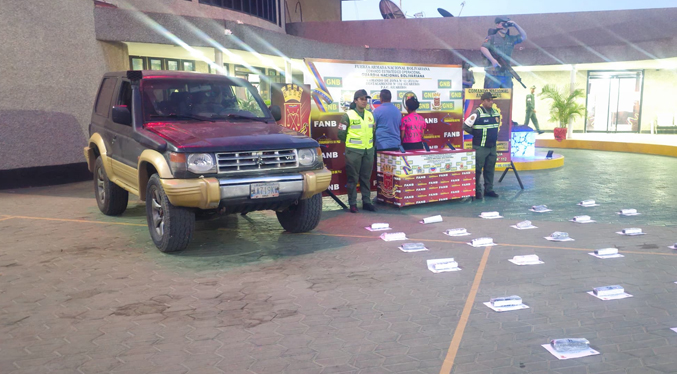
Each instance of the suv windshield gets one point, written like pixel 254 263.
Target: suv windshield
pixel 179 99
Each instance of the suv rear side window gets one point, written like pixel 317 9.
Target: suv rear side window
pixel 105 96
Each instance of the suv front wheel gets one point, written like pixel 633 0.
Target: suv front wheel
pixel 111 198
pixel 302 216
pixel 171 227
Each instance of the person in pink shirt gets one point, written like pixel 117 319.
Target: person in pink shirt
pixel 412 127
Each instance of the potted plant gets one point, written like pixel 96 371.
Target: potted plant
pixel 564 107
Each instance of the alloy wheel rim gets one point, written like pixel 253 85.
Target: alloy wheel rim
pixel 157 213
pixel 100 185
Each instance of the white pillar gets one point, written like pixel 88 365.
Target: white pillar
pixel 288 70
pixel 570 130
pixel 218 60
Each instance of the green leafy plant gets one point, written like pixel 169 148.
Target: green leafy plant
pixel 564 106
pixel 250 105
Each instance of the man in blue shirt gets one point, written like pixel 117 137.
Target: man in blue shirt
pixel 388 119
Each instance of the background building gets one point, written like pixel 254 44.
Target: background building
pixel 54 54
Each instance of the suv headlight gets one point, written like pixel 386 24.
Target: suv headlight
pixel 307 156
pixel 201 163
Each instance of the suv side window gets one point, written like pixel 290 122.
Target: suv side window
pixel 105 96
pixel 125 98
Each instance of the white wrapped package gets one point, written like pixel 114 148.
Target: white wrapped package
pixel 606 251
pixel 413 247
pixel 630 212
pixel 456 232
pixel 632 231
pixel 587 202
pixel 559 235
pixel 524 224
pixel 528 259
pixel 433 219
pixel 607 291
pixel 490 215
pixel 380 226
pixel 581 218
pixel 392 236
pixel 479 242
pixel 570 345
pixel 502 302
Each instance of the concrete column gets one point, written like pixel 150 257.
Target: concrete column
pixel 218 60
pixel 288 72
pixel 572 87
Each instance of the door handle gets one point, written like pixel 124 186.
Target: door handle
pixel 114 139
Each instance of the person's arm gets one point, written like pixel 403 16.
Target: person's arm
pixel 468 124
pixel 343 128
pixel 523 33
pixel 403 128
pixel 485 51
pixel 530 102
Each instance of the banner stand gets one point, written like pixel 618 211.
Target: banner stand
pixel 338 201
pixel 512 166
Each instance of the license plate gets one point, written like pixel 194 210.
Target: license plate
pixel 264 190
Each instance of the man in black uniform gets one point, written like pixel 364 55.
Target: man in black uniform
pixel 483 124
pixel 499 42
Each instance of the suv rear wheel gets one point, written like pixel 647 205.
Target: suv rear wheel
pixel 111 199
pixel 302 216
pixel 171 227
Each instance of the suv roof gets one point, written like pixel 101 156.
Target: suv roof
pixel 171 74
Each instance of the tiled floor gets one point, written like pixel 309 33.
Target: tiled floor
pixel 85 293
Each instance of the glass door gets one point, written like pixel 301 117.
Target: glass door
pixel 614 101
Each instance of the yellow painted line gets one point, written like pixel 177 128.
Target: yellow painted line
pixel 536 164
pixel 644 148
pixel 448 363
pixel 6 218
pixel 78 221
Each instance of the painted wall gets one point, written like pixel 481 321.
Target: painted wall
pixel 314 10
pixel 51 67
pixel 194 8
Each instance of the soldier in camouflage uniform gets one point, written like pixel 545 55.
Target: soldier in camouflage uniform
pixel 501 43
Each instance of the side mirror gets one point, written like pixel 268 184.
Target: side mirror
pixel 121 115
pixel 276 112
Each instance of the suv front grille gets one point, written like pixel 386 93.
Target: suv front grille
pixel 255 161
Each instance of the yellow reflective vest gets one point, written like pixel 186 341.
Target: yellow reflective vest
pixel 360 131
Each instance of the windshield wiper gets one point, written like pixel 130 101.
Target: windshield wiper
pixel 238 116
pixel 174 115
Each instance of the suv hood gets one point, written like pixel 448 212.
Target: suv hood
pixel 224 136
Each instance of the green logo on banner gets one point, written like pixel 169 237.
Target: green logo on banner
pixel 455 95
pixel 444 83
pixel 333 107
pixel 333 82
pixel 447 105
pixel 428 95
pixel 400 94
pixel 424 105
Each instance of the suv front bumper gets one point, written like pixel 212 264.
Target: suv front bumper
pixel 209 193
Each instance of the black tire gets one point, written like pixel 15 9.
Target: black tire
pixel 111 198
pixel 171 227
pixel 303 216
